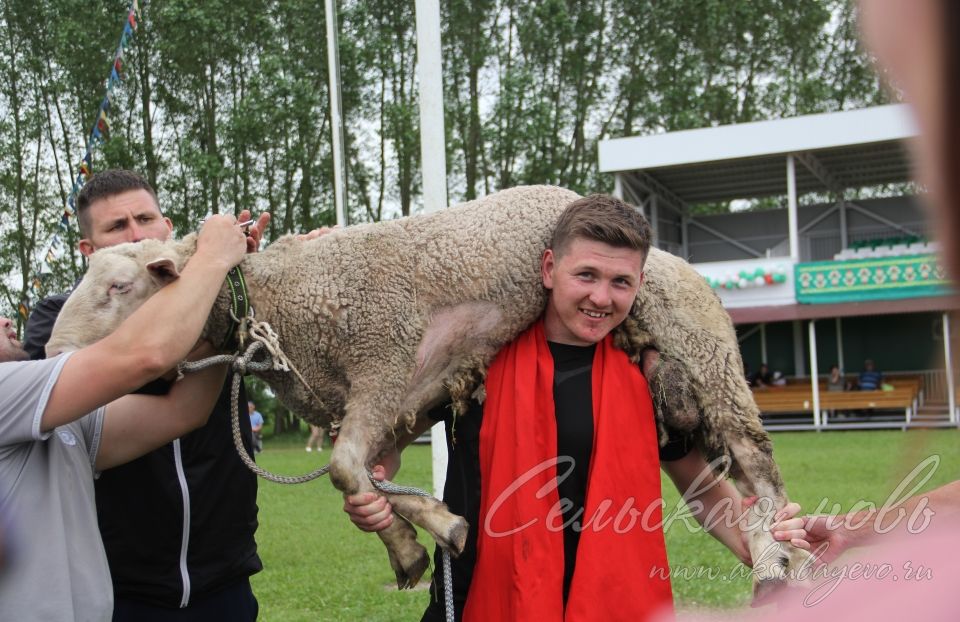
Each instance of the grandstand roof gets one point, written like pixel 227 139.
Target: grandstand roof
pixel 836 150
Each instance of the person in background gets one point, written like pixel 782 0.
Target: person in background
pixel 835 380
pixel 316 438
pixel 763 377
pixel 256 426
pixel 870 379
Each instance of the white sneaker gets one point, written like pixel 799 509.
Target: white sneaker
pixel 309 450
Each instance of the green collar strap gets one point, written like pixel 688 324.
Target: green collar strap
pixel 239 301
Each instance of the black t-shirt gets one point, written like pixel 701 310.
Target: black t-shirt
pixel 573 403
pixel 573 407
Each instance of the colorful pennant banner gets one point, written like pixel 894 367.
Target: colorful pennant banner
pixel 98 134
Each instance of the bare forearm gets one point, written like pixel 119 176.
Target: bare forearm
pixel 943 500
pixel 911 515
pixel 154 337
pixel 831 535
pixel 136 424
pixel 715 503
pixel 168 325
pixel 721 505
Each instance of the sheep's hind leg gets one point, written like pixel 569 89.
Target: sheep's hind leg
pixel 348 472
pixel 447 529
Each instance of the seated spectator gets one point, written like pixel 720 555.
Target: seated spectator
pixel 763 378
pixel 779 380
pixel 835 381
pixel 870 378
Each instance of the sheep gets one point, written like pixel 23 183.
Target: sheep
pixel 389 320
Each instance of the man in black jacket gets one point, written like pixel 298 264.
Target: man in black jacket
pixel 178 523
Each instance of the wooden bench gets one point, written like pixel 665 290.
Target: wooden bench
pixel 783 400
pixel 797 398
pixel 904 398
pixel 914 383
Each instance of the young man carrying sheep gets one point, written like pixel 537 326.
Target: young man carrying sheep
pixel 567 414
pixel 186 547
pixel 55 433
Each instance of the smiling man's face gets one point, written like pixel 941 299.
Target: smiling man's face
pixel 592 288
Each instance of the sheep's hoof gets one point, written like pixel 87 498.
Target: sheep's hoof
pixel 456 537
pixel 411 568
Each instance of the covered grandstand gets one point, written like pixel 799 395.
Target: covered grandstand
pixel 832 261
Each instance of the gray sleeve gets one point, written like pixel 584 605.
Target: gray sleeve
pixel 25 387
pixel 92 426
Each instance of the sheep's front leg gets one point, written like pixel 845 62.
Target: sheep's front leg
pixel 775 563
pixel 358 438
pixel 734 428
pixel 673 394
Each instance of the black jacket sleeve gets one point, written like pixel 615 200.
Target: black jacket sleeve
pixel 40 325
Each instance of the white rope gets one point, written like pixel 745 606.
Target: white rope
pixel 264 333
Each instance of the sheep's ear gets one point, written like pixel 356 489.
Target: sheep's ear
pixel 163 271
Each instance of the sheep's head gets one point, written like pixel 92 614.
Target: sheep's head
pixel 119 279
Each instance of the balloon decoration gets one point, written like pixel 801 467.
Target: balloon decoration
pixel 747 279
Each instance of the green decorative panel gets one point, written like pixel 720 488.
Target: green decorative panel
pixel 882 278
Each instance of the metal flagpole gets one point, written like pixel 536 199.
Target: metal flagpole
pixel 792 210
pixel 336 114
pixel 814 375
pixel 433 150
pixel 433 154
pixel 948 364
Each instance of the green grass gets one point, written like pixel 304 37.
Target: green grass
pixel 317 566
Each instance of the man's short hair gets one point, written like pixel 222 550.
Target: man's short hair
pixel 602 218
pixel 105 184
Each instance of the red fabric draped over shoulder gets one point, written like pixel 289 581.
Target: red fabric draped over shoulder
pixel 621 569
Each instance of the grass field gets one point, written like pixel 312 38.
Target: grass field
pixel 317 566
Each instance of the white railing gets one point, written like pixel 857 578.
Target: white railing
pixel 934 386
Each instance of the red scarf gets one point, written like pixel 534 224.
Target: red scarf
pixel 519 570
